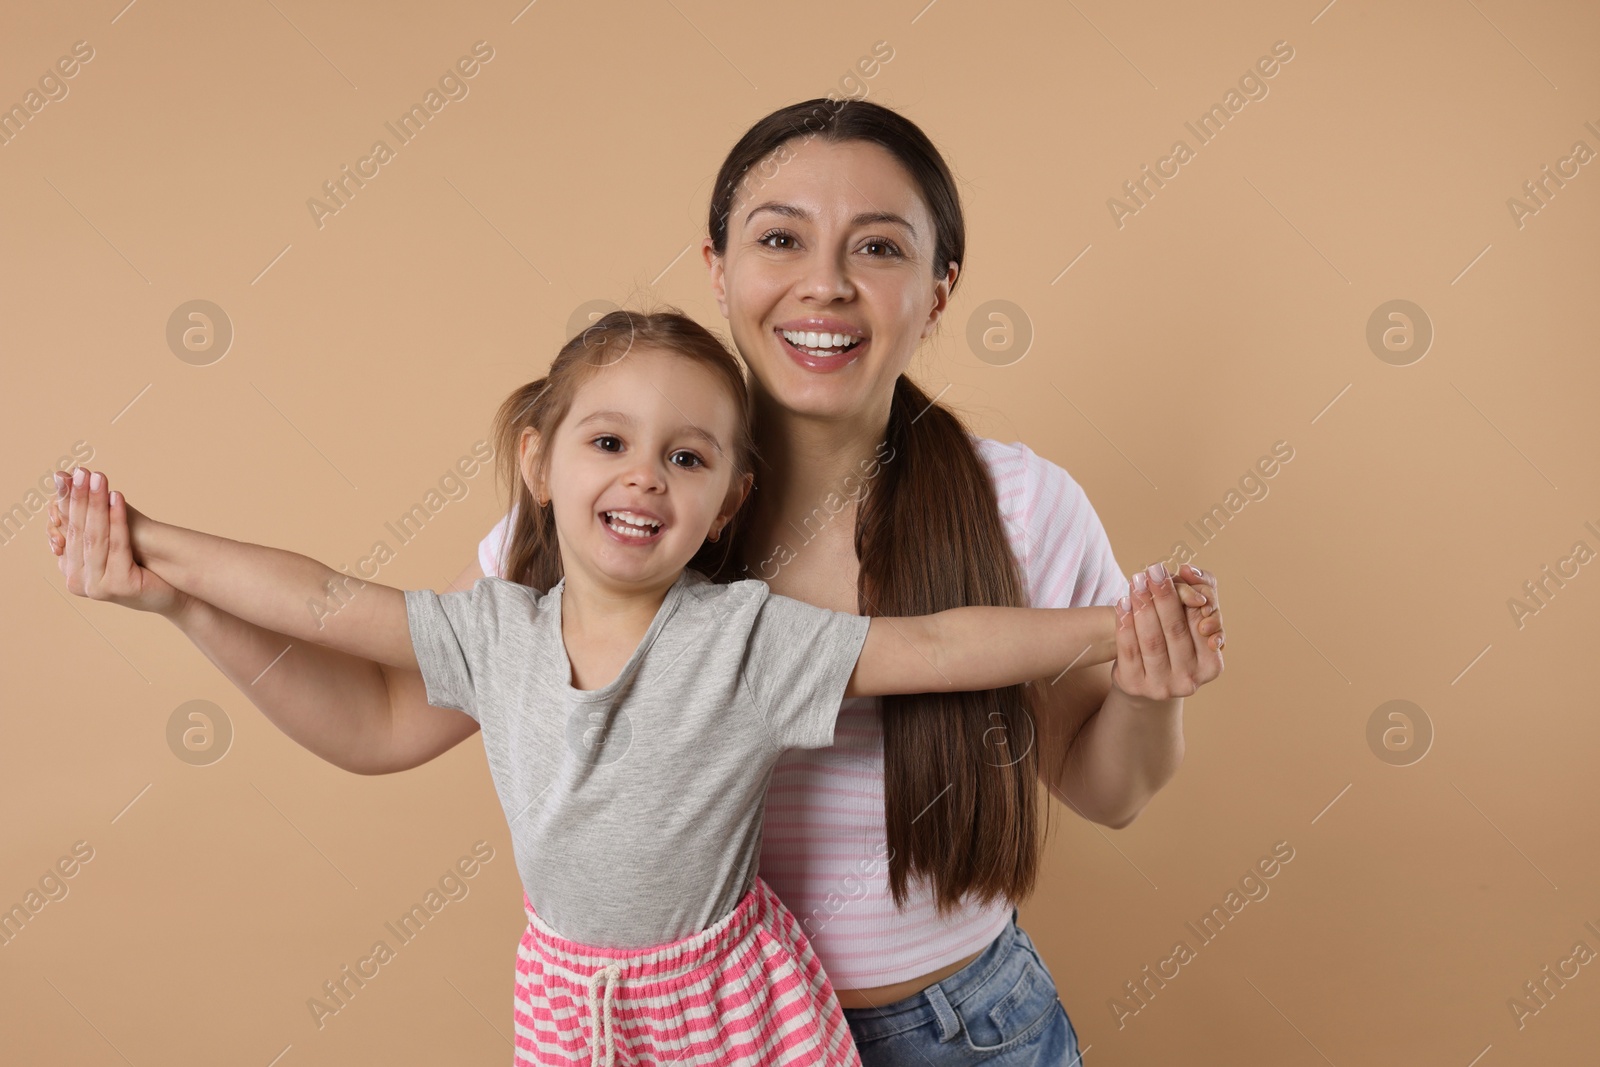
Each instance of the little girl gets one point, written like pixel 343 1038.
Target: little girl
pixel 633 711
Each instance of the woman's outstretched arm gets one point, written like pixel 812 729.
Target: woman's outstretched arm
pixel 1108 742
pixel 357 714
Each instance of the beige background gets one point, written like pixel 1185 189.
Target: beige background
pixel 1229 314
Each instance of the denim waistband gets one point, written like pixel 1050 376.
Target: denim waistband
pixel 933 1003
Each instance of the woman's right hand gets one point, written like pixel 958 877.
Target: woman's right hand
pixel 89 532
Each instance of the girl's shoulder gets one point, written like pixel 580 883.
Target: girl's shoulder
pixel 702 591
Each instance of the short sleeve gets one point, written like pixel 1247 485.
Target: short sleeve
pixel 798 660
pixel 1067 556
pixel 444 628
pixel 492 548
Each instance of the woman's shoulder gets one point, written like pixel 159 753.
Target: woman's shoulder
pixel 1023 479
pixel 1055 532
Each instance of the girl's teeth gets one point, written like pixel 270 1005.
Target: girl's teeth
pixel 621 525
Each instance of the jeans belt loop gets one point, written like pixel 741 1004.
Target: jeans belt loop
pixel 949 1021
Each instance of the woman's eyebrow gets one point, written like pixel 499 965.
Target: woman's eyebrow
pixel 802 215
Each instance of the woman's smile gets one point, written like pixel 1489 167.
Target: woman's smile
pixel 822 345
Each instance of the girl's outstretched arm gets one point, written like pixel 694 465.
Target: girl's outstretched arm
pixel 984 647
pixel 282 591
pixel 355 713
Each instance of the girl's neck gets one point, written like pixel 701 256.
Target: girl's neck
pixel 594 609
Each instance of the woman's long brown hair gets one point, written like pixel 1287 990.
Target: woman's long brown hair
pixel 532 556
pixel 961 783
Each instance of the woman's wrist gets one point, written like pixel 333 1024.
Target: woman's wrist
pixel 184 611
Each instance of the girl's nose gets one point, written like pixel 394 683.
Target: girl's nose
pixel 645 475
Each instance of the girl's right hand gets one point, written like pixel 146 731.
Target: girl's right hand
pixel 89 532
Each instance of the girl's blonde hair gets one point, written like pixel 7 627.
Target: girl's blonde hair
pixel 531 555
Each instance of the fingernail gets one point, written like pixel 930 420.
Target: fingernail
pixel 96 480
pixel 1158 572
pixel 1122 605
pixel 116 497
pixel 1140 583
pixel 77 476
pixel 1198 573
pixel 61 480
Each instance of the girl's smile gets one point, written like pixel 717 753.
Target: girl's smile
pixel 632 527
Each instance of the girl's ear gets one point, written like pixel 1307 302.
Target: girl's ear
pixel 528 461
pixel 736 496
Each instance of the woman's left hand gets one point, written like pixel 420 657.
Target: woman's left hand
pixel 1164 649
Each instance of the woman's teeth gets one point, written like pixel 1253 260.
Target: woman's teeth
pixel 820 344
pixel 626 522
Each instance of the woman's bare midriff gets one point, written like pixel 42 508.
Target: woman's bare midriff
pixel 878 996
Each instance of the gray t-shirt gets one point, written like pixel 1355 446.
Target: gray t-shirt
pixel 636 809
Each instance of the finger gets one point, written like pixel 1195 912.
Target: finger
pixel 119 553
pixel 1208 637
pixel 1180 645
pixel 94 534
pixel 1211 662
pixel 53 528
pixel 1147 624
pixel 77 499
pixel 1189 595
pixel 1128 673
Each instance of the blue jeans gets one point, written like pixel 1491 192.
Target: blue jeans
pixel 1000 1010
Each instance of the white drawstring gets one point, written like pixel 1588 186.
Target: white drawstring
pixel 600 1014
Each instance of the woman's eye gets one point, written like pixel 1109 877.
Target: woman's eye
pixel 776 235
pixel 693 460
pixel 888 248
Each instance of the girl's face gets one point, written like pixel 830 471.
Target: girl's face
pixel 829 243
pixel 640 471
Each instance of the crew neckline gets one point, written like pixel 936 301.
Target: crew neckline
pixel 669 605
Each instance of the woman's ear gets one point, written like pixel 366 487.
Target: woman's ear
pixel 941 296
pixel 715 265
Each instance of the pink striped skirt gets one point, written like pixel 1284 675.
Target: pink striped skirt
pixel 747 991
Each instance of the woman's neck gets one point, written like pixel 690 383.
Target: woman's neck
pixel 806 459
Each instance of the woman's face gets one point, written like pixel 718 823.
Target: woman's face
pixel 832 240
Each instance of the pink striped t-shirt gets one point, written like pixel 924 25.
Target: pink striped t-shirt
pixel 823 841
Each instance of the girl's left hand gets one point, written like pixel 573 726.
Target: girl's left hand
pixel 1165 649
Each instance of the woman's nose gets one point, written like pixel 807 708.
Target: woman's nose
pixel 826 279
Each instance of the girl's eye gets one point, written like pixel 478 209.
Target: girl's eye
pixel 889 248
pixel 776 235
pixel 690 459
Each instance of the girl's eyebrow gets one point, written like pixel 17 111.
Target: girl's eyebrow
pixel 687 430
pixel 800 214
